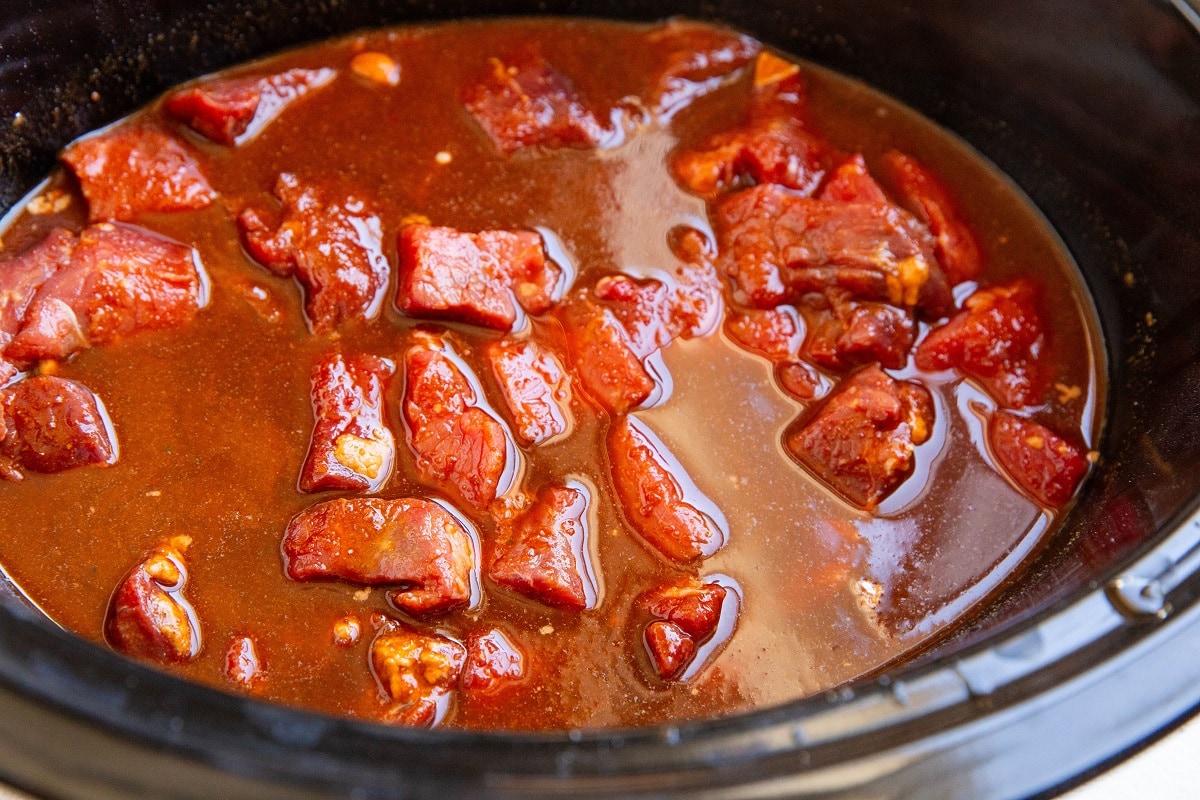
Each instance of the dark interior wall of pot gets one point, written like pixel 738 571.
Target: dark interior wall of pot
pixel 1092 108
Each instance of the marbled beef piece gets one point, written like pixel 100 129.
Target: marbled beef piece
pixel 234 110
pixel 412 543
pixel 862 441
pixel 1047 466
pixel 119 280
pixel 50 424
pixel 544 553
pixel 418 672
pixel 149 617
pixel 131 170
pixel 659 499
pixel 478 278
pixel 351 447
pixel 522 101
pixel 778 246
pixel 536 389
pixel 460 447
pixel 331 239
pixel 998 339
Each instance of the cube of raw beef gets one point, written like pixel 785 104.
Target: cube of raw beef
pixel 478 278
pixel 696 59
pixel 844 333
pixel 670 647
pixel 778 246
pixel 331 239
pixel 351 448
pixel 411 543
pixel 544 553
pixel 494 663
pixel 522 101
pixel 23 276
pixel 659 499
pixel 922 192
pixel 149 617
pixel 1047 466
pixel 535 388
pixel 694 606
pixel 131 170
pixel 603 354
pixel 50 424
pixel 862 441
pixel 998 338
pixel 773 333
pixel 851 183
pixel 460 447
pixel 120 280
pixel 234 110
pixel 418 672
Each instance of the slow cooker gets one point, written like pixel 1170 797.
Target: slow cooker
pixel 1092 108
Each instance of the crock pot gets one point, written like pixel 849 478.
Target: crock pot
pixel 1093 108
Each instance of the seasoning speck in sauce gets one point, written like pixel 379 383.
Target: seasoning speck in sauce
pixel 532 374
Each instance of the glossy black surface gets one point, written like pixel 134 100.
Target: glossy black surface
pixel 1092 108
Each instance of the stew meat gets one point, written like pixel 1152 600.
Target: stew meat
pixel 531 375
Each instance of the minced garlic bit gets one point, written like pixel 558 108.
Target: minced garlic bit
pixel 869 593
pixel 414 219
pixel 1067 393
pixel 52 202
pixel 367 457
pixel 47 366
pixel 346 631
pixel 154 493
pixel 362 594
pixel 443 157
pixel 376 67
pixel 1093 456
pixel 546 630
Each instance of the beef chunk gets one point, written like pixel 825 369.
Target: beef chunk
pixel 774 334
pixel 846 334
pixel 603 354
pixel 696 60
pixel 148 616
pixel 23 276
pixel 670 647
pixel 352 448
pixel 50 424
pixel 120 280
pixel 1044 464
pixel 799 380
pixel 777 246
pixel 331 241
pixel 851 183
pixel 861 442
pixel 474 277
pixel 659 499
pixel 922 192
pixel 137 169
pixel 998 339
pixel 525 102
pixel 693 606
pixel 459 446
pixel 234 110
pixel 543 554
pixel 494 663
pixel 243 665
pixel 418 672
pixel 535 389
pixel 408 542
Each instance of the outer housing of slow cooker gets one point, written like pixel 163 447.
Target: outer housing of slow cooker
pixel 1093 109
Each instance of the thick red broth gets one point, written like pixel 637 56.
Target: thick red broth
pixel 534 374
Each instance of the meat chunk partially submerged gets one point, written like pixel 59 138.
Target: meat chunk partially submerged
pixel 234 110
pixel 409 542
pixel 133 170
pixel 844 333
pixel 695 607
pixel 478 278
pixel 20 280
pixel 351 448
pixel 331 240
pixel 777 246
pixel 536 390
pixel 998 339
pixel 494 663
pixel 543 554
pixel 696 60
pixel 922 192
pixel 50 424
pixel 418 672
pixel 851 183
pixel 459 446
pixel 862 441
pixel 523 101
pixel 1044 464
pixel 119 280
pixel 691 620
pixel 603 354
pixel 658 498
pixel 671 649
pixel 148 616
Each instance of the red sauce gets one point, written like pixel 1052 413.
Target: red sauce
pixel 532 375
